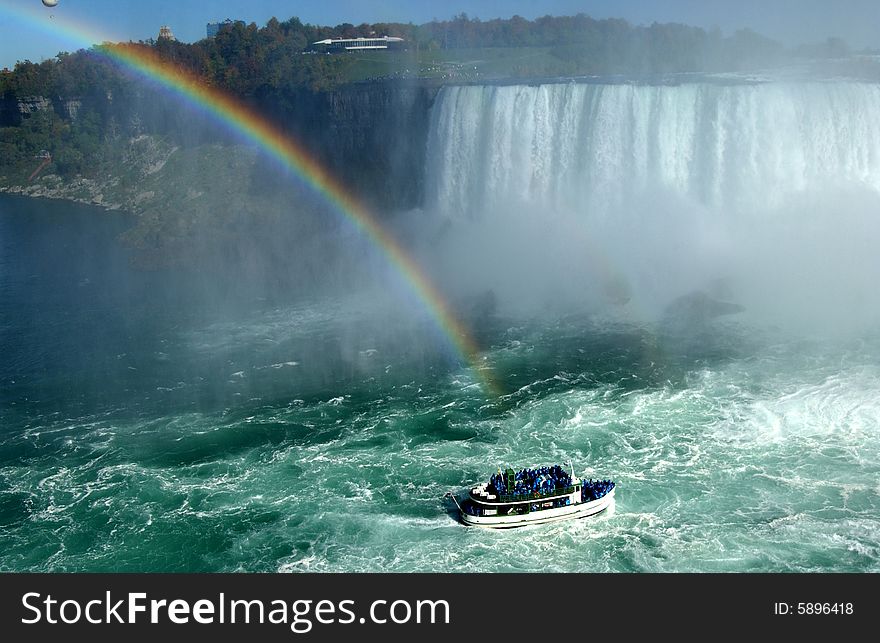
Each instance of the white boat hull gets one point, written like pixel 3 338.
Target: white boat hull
pixel 569 512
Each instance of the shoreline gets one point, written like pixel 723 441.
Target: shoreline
pixel 28 192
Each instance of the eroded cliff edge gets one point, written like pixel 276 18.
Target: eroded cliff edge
pixel 182 172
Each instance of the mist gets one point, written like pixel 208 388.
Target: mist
pixel 621 199
pixel 533 204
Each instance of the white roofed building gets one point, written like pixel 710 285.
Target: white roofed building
pixel 357 44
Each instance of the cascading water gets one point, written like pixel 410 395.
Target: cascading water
pixel 584 146
pixel 664 189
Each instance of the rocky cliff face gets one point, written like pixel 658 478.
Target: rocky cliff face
pixel 197 190
pixel 33 104
pixel 70 108
pixel 15 109
pixel 371 136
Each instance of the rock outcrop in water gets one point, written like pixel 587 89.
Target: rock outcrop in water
pixel 696 309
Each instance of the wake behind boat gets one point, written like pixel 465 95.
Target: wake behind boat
pixel 533 496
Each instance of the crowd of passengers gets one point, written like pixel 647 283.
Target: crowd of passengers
pixel 530 481
pixel 594 489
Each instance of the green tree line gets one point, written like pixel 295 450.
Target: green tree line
pixel 247 59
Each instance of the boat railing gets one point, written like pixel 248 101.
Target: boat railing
pixel 536 495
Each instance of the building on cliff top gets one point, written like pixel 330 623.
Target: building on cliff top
pixel 356 44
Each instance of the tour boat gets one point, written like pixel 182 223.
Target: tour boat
pixel 533 496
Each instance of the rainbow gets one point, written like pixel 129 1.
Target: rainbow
pixel 253 128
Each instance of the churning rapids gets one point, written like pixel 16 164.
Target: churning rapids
pixel 672 286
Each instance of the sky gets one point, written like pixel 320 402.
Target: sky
pixel 789 21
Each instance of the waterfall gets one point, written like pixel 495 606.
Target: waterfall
pixel 585 146
pixel 637 193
